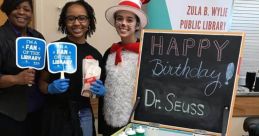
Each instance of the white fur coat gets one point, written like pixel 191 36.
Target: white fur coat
pixel 120 82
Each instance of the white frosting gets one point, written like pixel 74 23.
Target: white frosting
pixel 130 132
pixel 140 129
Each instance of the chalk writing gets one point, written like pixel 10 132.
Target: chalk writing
pixel 160 68
pixel 157 43
pixel 174 104
pixel 187 78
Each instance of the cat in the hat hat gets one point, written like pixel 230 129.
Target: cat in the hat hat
pixel 121 61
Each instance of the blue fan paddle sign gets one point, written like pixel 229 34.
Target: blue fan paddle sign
pixel 30 52
pixel 62 57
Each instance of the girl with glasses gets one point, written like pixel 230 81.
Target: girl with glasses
pixel 67 113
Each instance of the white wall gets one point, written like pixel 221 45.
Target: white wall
pixel 47 14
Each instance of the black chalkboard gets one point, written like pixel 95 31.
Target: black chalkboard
pixel 187 79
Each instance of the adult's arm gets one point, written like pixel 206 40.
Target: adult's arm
pixel 23 78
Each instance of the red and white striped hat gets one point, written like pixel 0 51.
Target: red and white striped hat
pixel 133 6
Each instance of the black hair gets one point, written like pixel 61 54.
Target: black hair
pixel 89 10
pixel 9 5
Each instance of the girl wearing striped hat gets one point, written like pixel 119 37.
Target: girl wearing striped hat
pixel 121 62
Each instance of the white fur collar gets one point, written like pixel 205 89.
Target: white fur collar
pixel 120 82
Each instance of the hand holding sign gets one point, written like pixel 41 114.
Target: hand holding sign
pixel 30 53
pixel 25 77
pixel 62 57
pixel 58 86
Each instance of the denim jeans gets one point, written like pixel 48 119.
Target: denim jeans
pixel 86 121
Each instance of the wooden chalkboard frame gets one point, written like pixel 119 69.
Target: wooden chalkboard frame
pixel 228 110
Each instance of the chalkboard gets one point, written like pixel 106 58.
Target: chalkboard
pixel 187 79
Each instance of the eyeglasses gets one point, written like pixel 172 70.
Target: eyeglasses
pixel 80 18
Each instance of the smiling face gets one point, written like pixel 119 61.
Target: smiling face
pixel 77 23
pixel 126 25
pixel 21 16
